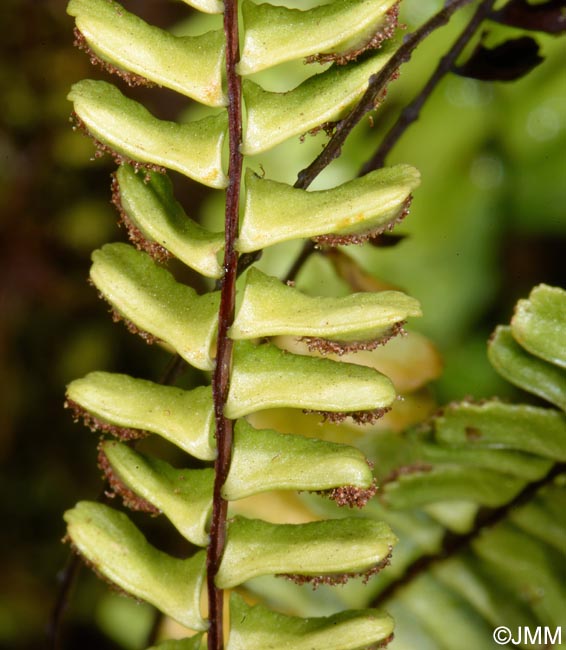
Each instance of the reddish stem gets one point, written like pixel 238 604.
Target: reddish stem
pixel 221 376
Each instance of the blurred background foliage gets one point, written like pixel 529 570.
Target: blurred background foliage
pixel 487 224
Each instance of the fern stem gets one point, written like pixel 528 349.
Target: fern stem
pixel 453 543
pixel 377 84
pixel 412 111
pixel 221 376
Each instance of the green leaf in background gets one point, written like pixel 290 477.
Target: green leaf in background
pixel 525 370
pixel 539 324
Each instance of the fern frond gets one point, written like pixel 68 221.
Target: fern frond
pixel 271 308
pixel 264 460
pixel 259 375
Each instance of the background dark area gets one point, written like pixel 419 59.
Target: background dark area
pixel 55 209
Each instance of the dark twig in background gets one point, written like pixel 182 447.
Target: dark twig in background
pixel 306 251
pixel 411 112
pixel 367 103
pixel 174 369
pixel 377 84
pixel 67 580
